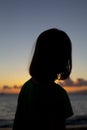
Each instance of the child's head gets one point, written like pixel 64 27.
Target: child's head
pixel 52 56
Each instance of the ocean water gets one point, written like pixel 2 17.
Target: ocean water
pixel 8 103
pixel 79 104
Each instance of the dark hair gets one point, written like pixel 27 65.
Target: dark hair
pixel 52 56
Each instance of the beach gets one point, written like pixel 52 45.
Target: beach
pixel 5 128
pixel 72 127
pixel 77 127
pixel 75 123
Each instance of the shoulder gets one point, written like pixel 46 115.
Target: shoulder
pixel 62 94
pixel 27 84
pixel 26 87
pixel 60 89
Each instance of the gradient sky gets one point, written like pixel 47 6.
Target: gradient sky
pixel 21 21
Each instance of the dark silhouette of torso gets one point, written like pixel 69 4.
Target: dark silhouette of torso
pixel 42 107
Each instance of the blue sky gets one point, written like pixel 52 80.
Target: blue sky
pixel 21 21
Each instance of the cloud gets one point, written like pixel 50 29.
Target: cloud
pixel 81 82
pixel 78 82
pixel 16 87
pixel 68 82
pixel 6 87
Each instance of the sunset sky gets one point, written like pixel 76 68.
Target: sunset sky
pixel 21 21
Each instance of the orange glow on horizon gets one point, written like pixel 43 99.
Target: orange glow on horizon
pixel 69 89
pixel 74 89
pixel 14 80
pixel 10 90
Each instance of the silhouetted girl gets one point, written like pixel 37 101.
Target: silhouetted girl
pixel 43 104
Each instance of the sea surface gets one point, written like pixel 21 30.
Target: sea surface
pixel 8 103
